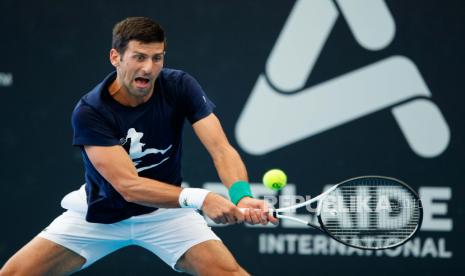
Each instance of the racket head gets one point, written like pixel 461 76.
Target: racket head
pixel 371 212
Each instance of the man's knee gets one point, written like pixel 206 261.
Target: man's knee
pixel 211 267
pixel 230 268
pixel 219 266
pixel 52 259
pixel 19 265
pixel 210 258
pixel 12 268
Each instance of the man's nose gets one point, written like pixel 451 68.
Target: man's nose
pixel 147 67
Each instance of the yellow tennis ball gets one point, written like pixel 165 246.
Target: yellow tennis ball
pixel 275 179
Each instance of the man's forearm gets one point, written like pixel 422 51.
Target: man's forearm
pixel 152 193
pixel 229 166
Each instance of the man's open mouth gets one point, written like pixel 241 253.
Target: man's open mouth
pixel 142 82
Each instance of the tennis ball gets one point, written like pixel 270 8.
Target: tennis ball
pixel 275 179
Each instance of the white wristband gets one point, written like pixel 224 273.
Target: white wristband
pixel 192 197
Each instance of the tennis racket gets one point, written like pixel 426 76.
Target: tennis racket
pixel 367 212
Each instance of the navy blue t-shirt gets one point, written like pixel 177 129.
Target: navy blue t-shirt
pixel 151 133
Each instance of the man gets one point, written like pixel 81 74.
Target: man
pixel 129 130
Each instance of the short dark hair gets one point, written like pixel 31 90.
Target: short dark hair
pixel 142 29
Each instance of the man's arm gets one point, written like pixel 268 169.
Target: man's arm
pixel 229 166
pixel 227 161
pixel 114 164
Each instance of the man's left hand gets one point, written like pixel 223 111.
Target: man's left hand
pixel 256 211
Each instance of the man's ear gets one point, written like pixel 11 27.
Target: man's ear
pixel 114 57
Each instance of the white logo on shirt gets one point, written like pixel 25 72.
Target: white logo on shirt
pixel 136 151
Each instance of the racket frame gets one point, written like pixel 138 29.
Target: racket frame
pixel 320 198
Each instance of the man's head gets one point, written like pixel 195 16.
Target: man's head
pixel 138 50
pixel 142 29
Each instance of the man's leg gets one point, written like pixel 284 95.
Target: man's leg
pixel 42 257
pixel 209 258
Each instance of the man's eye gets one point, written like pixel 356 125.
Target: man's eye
pixel 140 58
pixel 158 58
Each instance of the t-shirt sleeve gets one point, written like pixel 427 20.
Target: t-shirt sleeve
pixel 194 101
pixel 91 128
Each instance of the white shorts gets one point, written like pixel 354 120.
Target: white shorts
pixel 168 233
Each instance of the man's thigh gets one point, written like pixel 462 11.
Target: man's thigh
pixel 210 258
pixel 170 233
pixel 67 237
pixel 43 257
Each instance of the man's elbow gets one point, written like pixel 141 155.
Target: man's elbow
pixel 127 196
pixel 127 188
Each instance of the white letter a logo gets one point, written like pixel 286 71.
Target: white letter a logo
pixel 273 118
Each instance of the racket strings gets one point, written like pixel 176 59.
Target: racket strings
pixel 372 214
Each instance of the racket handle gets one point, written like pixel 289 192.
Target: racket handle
pixel 274 213
pixel 270 211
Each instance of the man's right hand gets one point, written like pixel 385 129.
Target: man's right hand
pixel 221 210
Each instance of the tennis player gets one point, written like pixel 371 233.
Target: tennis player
pixel 129 130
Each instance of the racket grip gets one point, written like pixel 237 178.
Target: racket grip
pixel 270 211
pixel 274 213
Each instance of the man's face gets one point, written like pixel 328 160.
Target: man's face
pixel 139 66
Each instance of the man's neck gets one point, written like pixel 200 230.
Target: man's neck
pixel 121 95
